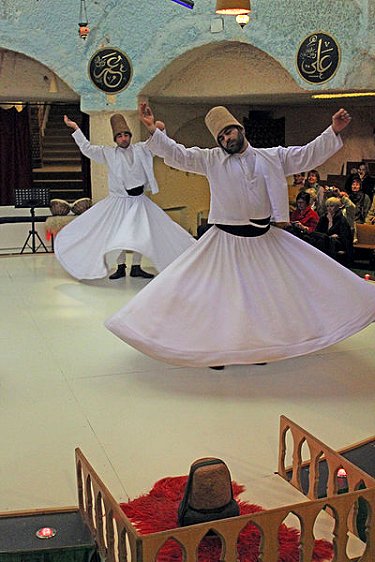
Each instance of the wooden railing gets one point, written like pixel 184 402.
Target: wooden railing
pixel 118 540
pixel 318 452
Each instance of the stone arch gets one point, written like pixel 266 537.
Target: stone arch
pixel 198 75
pixel 228 73
pixel 24 78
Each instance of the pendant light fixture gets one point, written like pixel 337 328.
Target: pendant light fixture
pixel 233 7
pixel 84 30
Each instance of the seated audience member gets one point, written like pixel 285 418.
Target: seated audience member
pixel 313 196
pixel 360 200
pixel 299 180
pixel 333 235
pixel 312 180
pixel 303 219
pixel 347 206
pixel 368 182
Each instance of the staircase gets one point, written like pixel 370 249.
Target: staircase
pixel 61 170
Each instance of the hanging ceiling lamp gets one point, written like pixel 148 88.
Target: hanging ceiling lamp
pixel 84 30
pixel 233 7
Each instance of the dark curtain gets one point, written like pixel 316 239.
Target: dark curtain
pixel 86 165
pixel 15 153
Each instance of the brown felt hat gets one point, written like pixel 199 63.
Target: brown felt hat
pixel 119 125
pixel 218 118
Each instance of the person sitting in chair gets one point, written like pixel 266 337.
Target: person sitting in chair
pixel 303 220
pixel 333 235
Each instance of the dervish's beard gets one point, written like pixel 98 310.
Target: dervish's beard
pixel 234 146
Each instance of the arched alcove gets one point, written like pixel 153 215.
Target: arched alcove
pixel 25 79
pixel 228 73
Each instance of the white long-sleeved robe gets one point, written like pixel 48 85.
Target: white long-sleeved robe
pixel 234 299
pixel 88 246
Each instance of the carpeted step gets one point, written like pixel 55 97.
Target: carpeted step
pixel 54 175
pixel 61 150
pixel 61 160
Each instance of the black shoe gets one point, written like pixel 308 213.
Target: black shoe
pixel 218 368
pixel 119 273
pixel 136 271
pixel 260 363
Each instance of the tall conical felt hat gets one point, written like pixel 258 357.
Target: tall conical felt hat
pixel 119 125
pixel 218 118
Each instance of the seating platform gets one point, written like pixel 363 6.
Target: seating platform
pixel 72 541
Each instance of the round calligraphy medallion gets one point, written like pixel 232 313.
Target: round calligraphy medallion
pixel 318 58
pixel 110 70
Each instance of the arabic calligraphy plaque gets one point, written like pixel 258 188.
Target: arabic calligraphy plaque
pixel 318 58
pixel 110 70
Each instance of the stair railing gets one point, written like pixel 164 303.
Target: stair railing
pixel 44 109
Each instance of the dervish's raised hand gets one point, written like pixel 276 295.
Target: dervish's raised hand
pixel 160 125
pixel 147 117
pixel 70 123
pixel 340 120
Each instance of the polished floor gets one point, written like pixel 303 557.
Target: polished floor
pixel 66 381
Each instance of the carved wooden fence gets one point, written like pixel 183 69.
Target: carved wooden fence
pixel 118 540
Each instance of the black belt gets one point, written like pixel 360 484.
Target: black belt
pixel 247 230
pixel 135 191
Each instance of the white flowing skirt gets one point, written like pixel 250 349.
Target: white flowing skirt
pixel 88 246
pixel 235 300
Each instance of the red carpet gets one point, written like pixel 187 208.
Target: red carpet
pixel 157 511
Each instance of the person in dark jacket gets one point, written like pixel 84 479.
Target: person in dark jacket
pixel 360 199
pixel 333 235
pixel 367 181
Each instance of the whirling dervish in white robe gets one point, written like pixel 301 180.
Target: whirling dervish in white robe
pixel 249 291
pixel 126 219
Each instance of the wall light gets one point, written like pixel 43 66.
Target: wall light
pixel 53 88
pixel 242 20
pixel 233 7
pixel 186 3
pixel 343 95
